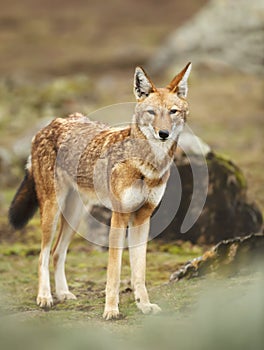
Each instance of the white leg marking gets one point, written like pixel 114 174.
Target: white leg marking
pixel 44 298
pixel 50 214
pixel 116 242
pixel 138 237
pixel 59 258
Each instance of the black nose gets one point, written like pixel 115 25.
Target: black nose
pixel 164 134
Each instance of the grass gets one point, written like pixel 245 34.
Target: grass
pixel 86 270
pixel 207 313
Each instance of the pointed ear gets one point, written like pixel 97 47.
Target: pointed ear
pixel 179 83
pixel 143 86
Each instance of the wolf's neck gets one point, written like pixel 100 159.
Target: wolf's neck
pixel 136 133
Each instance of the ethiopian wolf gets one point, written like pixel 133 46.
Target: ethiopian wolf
pixel 126 169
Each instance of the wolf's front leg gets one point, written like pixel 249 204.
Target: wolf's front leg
pixel 116 242
pixel 138 236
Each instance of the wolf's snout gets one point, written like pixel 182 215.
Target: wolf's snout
pixel 164 134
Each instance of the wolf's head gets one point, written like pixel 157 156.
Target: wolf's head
pixel 161 112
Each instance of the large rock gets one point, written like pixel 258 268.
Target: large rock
pixel 226 213
pixel 228 32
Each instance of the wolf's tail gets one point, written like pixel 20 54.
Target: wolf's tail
pixel 25 202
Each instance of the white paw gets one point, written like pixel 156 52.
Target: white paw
pixel 111 314
pixel 45 302
pixel 65 296
pixel 149 308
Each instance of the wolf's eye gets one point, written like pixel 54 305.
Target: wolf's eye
pixel 173 111
pixel 151 112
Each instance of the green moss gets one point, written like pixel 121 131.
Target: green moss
pixel 19 249
pixel 186 249
pixel 230 167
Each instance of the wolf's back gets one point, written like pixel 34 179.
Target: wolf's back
pixel 25 202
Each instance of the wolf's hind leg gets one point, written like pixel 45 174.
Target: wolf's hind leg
pixel 70 219
pixel 49 218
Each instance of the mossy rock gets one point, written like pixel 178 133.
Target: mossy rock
pixel 226 213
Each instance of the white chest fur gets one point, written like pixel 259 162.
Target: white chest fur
pixel 136 195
